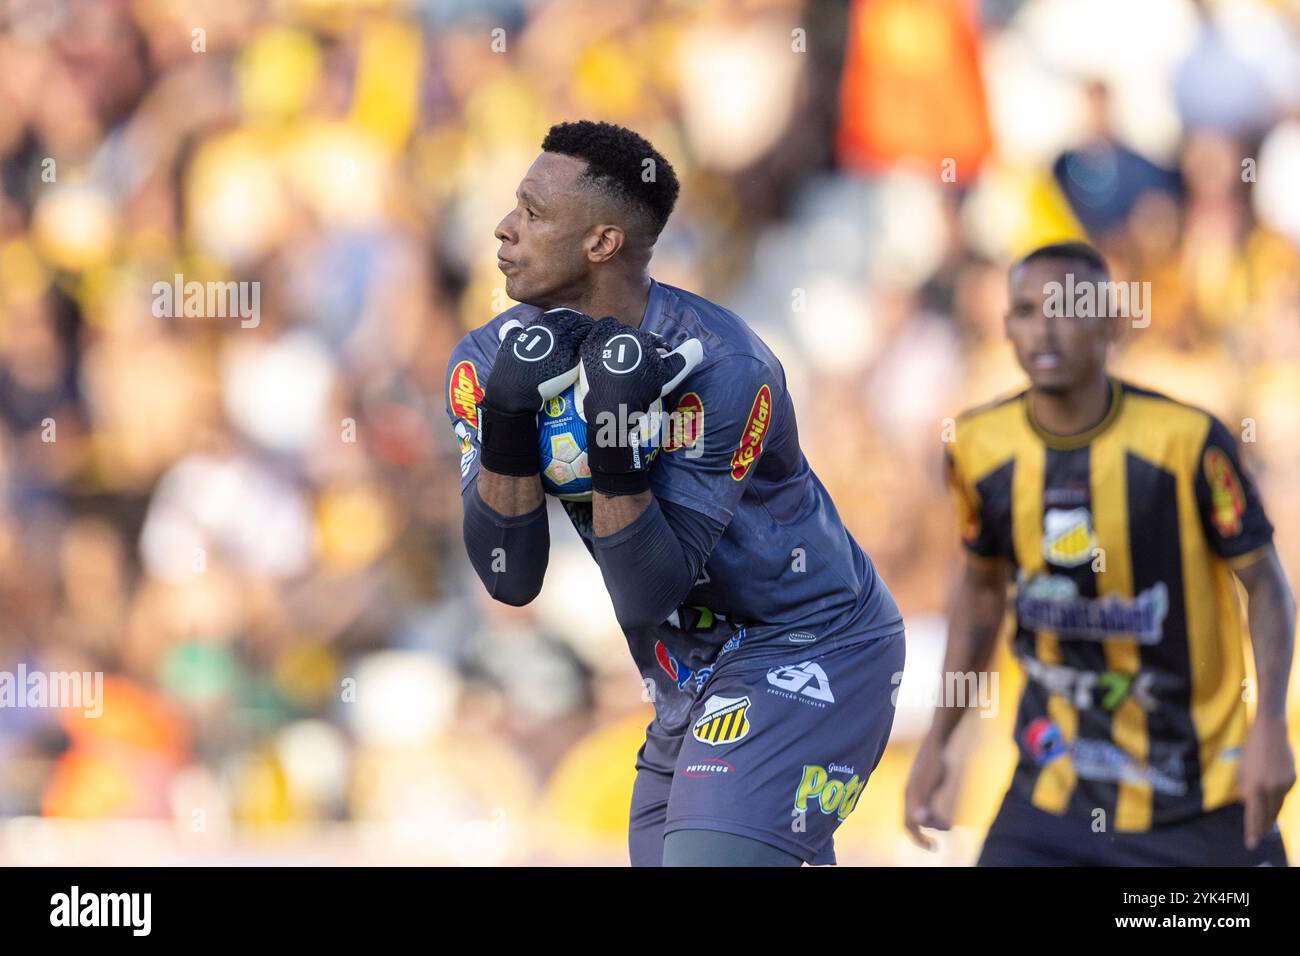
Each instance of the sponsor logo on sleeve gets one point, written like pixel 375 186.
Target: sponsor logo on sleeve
pixel 465 392
pixel 751 439
pixel 686 423
pixel 1227 503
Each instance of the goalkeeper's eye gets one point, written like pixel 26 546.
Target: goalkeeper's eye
pixel 531 214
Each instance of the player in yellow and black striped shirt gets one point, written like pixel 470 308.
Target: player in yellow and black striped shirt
pixel 1121 517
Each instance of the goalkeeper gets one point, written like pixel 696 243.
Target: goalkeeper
pixel 772 644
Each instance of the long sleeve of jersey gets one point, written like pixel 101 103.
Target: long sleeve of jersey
pixel 650 565
pixel 509 554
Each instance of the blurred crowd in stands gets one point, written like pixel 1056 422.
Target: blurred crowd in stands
pixel 252 528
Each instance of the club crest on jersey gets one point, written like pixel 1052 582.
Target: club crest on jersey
pixel 725 721
pixel 1068 539
pixel 464 392
pixel 751 439
pixel 1227 502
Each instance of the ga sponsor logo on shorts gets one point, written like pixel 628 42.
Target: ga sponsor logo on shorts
pixel 832 794
pixel 712 767
pixel 805 682
pixel 725 721
pixel 800 637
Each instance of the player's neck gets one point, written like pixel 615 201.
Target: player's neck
pixel 1071 412
pixel 623 297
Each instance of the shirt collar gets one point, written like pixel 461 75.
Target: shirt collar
pixel 654 308
pixel 1078 440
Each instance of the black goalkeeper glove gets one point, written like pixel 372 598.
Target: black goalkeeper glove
pixel 623 376
pixel 534 363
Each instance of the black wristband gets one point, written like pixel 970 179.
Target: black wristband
pixel 620 483
pixel 509 443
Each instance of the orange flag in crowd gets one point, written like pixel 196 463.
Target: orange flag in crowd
pixel 911 87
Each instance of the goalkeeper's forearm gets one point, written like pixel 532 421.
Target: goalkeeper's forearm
pixel 651 563
pixel 508 495
pixel 508 549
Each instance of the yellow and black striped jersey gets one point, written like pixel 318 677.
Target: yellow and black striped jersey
pixel 1128 622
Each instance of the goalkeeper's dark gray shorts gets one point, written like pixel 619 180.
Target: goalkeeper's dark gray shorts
pixel 779 753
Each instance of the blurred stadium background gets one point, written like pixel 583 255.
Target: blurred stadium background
pixel 254 531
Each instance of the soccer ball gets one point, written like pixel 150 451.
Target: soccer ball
pixel 562 435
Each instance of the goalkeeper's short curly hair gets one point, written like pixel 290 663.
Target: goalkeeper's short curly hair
pixel 616 165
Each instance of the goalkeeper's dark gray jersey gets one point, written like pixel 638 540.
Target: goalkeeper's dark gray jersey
pixel 785 577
